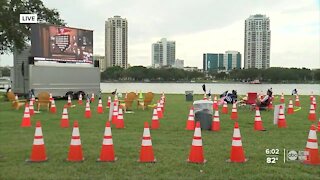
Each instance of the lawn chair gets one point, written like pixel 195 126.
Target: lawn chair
pixel 146 101
pixel 127 105
pixel 16 104
pixel 43 100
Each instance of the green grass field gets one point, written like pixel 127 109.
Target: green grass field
pixel 171 144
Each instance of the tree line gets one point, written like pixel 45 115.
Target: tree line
pixel 273 74
pixel 276 74
pixel 140 73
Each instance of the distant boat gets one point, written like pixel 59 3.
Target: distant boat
pixel 255 82
pixel 192 81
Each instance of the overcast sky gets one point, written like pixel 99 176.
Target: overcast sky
pixel 202 26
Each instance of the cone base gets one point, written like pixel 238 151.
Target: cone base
pixel 75 153
pixel 155 125
pixel 64 123
pixel 190 125
pixel 40 161
pixel 146 154
pixel 87 115
pixel 224 112
pixel 68 160
pixel 26 122
pixel 99 160
pixel 154 161
pixel 215 126
pixel 100 110
pixel 229 161
pixel 196 154
pixel 204 161
pixel 282 124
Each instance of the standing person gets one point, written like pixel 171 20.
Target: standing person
pixel 294 92
pixel 204 88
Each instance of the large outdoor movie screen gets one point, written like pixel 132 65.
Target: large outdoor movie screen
pixel 61 44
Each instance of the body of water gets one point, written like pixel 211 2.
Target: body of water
pixel 216 88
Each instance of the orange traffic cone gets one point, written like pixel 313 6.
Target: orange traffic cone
pixel 120 122
pixel 146 152
pixel 297 102
pixel 290 107
pixel 92 97
pixel 162 105
pixel 69 101
pixel 31 109
pixel 312 148
pixel 33 99
pixel 155 120
pixel 75 150
pixel 237 153
pixel 53 108
pixel 190 121
pixel 116 98
pixel 234 113
pixel 258 121
pixel 87 113
pixel 80 99
pixel 107 150
pixel 319 125
pixel 311 96
pixel 196 151
pixel 159 111
pixel 215 103
pixel 282 119
pixel 314 102
pixel 26 121
pixel 163 97
pixel 100 108
pixel 115 113
pixel 50 97
pixel 216 122
pixel 282 98
pixel 270 106
pixel 224 108
pixel 205 96
pixel 64 122
pixel 38 153
pixel 312 113
pixel 109 102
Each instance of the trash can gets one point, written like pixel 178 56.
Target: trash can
pixel 189 95
pixel 203 112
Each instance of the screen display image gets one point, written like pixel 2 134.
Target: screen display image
pixel 62 44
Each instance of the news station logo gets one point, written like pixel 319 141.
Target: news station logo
pixel 28 18
pixel 294 155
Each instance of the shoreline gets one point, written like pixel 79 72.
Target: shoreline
pixel 205 82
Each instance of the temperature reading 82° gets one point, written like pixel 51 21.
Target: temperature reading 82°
pixel 272 160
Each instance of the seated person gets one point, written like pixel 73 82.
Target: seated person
pixel 294 92
pixel 224 94
pixel 265 101
pixel 230 97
